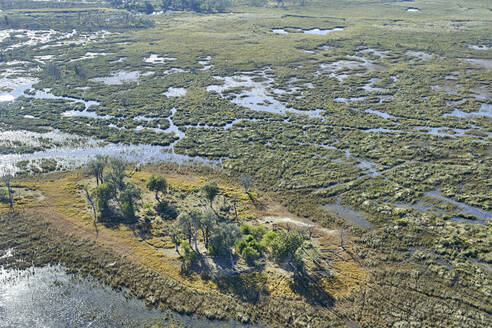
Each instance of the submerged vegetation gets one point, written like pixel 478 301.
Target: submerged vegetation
pixel 330 159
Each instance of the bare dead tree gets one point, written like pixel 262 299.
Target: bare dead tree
pixel 246 181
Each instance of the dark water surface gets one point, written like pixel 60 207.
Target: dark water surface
pixel 49 297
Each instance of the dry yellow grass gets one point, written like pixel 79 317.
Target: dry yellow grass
pixel 350 276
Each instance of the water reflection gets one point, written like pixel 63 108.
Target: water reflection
pixel 49 297
pixel 348 213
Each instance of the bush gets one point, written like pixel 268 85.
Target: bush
pixel 250 255
pixel 286 244
pixel 257 231
pixel 268 238
pixel 250 249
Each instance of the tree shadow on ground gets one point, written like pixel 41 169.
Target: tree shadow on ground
pixel 257 203
pixel 249 287
pixel 312 289
pixel 113 220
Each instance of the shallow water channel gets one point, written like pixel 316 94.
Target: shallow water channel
pixel 49 297
pixel 347 213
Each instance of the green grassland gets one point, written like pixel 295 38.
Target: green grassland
pixel 426 267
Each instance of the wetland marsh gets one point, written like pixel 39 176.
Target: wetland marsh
pixel 370 120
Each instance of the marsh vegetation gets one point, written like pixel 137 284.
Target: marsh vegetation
pixel 363 127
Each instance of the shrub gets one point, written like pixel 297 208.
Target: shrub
pixel 250 255
pixel 257 231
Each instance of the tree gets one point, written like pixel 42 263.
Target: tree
pixel 157 184
pixel 166 4
pixel 166 211
pixel 96 168
pixel 93 206
pixel 79 71
pixel 250 255
pixel 115 178
pixel 223 238
pixel 103 193
pixel 195 221
pixel 285 246
pixel 114 188
pixel 176 236
pixel 184 223
pixel 209 219
pixel 211 190
pixel 189 256
pixel 257 231
pixel 128 199
pixel 246 181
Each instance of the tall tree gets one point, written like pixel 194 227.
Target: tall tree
pixel 196 224
pixel 103 193
pixel 246 181
pixel 157 184
pixel 184 223
pixel 286 246
pixel 223 239
pixel 209 219
pixel 175 235
pixel 96 168
pixel 211 190
pixel 115 177
pixel 128 199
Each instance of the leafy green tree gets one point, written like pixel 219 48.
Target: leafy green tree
pixel 209 220
pixel 223 239
pixel 128 199
pixel 157 184
pixel 250 255
pixel 257 231
pixel 189 256
pixel 211 191
pixel 249 248
pixel 196 221
pixel 286 246
pixel 103 193
pixel 96 168
pixel 166 210
pixel 176 236
pixel 268 238
pixel 115 178
pixel 184 223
